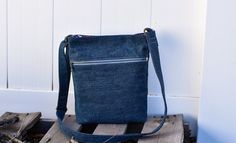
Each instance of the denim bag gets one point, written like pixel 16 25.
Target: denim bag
pixel 110 76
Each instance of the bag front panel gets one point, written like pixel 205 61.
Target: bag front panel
pixel 111 93
pixel 110 78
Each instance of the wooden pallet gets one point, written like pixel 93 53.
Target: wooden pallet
pixel 171 132
pixel 16 124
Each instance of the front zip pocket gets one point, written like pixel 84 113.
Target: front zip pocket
pixel 118 83
pixel 110 61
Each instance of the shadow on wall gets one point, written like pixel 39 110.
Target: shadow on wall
pixel 168 41
pixel 169 47
pixel 177 60
pixel 179 65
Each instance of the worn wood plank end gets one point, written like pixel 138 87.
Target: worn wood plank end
pixel 26 121
pixel 55 135
pixel 171 132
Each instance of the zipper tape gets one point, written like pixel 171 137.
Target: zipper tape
pixel 113 61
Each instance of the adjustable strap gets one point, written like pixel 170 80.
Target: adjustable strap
pixel 64 80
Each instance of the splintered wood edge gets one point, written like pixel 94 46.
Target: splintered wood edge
pixel 171 132
pixel 32 121
pixel 26 121
pixel 55 135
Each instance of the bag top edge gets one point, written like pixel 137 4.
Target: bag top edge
pixel 75 36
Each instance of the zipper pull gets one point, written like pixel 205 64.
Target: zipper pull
pixel 71 67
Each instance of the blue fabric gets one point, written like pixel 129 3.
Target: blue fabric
pixel 108 93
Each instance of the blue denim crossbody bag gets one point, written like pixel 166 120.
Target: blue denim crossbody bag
pixel 110 76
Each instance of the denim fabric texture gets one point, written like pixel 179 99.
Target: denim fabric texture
pixel 110 82
pixel 108 92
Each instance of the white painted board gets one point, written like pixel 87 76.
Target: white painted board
pixel 216 123
pixel 180 33
pixel 125 17
pixel 3 44
pixel 30 44
pixel 73 17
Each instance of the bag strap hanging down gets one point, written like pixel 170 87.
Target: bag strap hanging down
pixel 64 81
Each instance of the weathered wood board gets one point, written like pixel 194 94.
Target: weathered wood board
pixel 24 122
pixel 54 135
pixel 171 132
pixel 111 129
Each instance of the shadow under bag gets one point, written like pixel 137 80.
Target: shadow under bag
pixel 110 75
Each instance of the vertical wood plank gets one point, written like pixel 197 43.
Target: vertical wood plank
pixel 73 17
pixel 30 44
pixel 122 16
pixel 177 24
pixel 217 102
pixel 3 44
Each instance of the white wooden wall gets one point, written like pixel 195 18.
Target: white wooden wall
pixel 31 30
pixel 217 104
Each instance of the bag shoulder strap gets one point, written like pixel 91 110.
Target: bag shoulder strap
pixel 64 81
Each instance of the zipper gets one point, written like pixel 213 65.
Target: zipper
pixel 114 61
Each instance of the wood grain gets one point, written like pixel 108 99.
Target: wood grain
pixel 18 129
pixel 54 135
pixel 110 129
pixel 171 132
